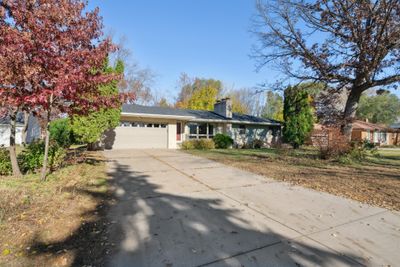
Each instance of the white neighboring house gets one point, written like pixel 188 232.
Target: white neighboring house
pixel 32 134
pixel 162 127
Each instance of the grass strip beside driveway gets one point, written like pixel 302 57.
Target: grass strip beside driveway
pixel 375 181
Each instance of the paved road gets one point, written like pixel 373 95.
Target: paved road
pixel 175 210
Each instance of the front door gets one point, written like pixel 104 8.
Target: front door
pixel 178 131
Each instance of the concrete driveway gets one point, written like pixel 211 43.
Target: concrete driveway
pixel 176 209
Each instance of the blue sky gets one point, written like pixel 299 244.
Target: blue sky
pixel 206 38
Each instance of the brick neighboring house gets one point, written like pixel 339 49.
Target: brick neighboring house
pixel 396 133
pixel 378 134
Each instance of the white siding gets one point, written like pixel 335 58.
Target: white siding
pixel 172 135
pixel 255 132
pixel 5 135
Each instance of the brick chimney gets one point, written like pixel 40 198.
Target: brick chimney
pixel 223 107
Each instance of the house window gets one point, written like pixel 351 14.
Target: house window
pixel 242 129
pixel 210 131
pixel 141 124
pixel 368 135
pixel 192 129
pixel 383 137
pixel 376 137
pixel 200 130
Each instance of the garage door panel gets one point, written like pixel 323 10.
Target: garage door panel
pixel 137 137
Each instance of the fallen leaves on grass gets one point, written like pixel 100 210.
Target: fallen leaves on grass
pixel 376 183
pixel 37 217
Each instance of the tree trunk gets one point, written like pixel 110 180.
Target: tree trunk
pixel 46 149
pixel 91 146
pixel 350 112
pixel 25 128
pixel 47 140
pixel 13 153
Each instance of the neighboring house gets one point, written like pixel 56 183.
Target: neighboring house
pixel 395 126
pixel 375 133
pixel 362 130
pixel 396 133
pixel 33 131
pixel 162 127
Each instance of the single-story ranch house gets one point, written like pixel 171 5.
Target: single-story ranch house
pixel 375 133
pixel 162 127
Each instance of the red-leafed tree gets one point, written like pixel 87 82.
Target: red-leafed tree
pixel 16 73
pixel 68 50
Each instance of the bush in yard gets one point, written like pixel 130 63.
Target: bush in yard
pixel 331 143
pixel 367 144
pixel 57 156
pixel 356 153
pixel 31 159
pixel 5 163
pixel 60 132
pixel 257 144
pixel 188 145
pixel 204 144
pixel 222 141
pixel 201 144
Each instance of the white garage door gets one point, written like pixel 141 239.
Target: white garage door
pixel 140 137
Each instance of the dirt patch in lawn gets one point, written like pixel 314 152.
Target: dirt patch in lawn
pixel 375 181
pixel 60 222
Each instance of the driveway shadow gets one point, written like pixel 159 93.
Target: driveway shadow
pixel 199 229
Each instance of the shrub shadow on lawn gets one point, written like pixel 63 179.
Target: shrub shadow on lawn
pixel 143 226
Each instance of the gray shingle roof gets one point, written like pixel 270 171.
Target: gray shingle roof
pixel 197 114
pixel 395 125
pixel 250 118
pixel 6 119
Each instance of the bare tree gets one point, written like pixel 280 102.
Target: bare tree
pixel 246 100
pixel 347 44
pixel 137 80
pixel 184 84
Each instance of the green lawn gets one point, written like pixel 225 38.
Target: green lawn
pixel 386 157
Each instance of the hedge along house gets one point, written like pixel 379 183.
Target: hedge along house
pixel 162 127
